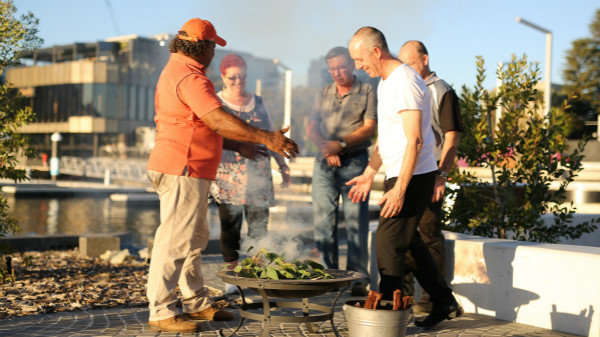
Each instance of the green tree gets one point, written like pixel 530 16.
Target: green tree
pixel 525 151
pixel 582 76
pixel 17 36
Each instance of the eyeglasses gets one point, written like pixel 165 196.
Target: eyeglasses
pixel 336 69
pixel 238 77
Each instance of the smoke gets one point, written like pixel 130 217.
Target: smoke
pixel 296 32
pixel 286 243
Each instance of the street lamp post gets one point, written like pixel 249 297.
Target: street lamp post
pixel 54 160
pixel 548 70
pixel 287 100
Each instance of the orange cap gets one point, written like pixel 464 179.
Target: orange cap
pixel 198 29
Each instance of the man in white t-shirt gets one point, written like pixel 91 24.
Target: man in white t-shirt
pixel 405 149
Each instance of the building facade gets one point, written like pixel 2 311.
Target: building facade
pixel 100 96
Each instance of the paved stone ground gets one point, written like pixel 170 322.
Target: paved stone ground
pixel 133 322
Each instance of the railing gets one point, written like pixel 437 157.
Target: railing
pixel 107 168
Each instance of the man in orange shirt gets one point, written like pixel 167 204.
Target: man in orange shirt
pixel 191 124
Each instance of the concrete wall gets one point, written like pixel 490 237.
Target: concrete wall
pixel 551 286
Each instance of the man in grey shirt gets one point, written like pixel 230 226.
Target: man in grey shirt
pixel 342 121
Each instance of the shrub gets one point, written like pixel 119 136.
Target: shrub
pixel 525 152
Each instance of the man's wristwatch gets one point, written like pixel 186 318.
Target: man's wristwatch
pixel 442 174
pixel 343 144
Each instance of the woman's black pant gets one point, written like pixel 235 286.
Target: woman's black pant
pixel 231 217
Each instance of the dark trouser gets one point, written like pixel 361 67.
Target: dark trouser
pixel 231 217
pixel 396 235
pixel 430 228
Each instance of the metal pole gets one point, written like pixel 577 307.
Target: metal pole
pixel 258 90
pixel 548 68
pixel 287 108
pixel 54 160
pixel 548 92
pixel 287 100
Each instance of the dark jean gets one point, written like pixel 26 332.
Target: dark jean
pixel 328 183
pixel 398 234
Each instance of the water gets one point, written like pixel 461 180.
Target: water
pixel 91 215
pixel 86 215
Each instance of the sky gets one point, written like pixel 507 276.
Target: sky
pixel 298 31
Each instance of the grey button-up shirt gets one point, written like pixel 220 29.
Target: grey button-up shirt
pixel 338 116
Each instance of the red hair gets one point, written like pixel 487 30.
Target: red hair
pixel 232 60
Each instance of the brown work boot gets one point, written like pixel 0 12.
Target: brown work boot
pixel 175 324
pixel 210 314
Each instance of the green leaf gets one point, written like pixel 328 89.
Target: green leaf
pixel 272 273
pixel 286 274
pixel 271 256
pixel 313 264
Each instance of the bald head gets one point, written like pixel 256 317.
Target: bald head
pixel 414 54
pixel 371 37
pixel 369 50
pixel 417 46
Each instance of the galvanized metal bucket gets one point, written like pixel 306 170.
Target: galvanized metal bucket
pixel 380 322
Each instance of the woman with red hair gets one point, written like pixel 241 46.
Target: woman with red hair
pixel 243 187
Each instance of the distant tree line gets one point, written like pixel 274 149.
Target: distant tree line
pixel 582 78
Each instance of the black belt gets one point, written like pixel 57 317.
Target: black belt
pixel 352 154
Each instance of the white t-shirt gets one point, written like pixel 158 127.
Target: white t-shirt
pixel 404 89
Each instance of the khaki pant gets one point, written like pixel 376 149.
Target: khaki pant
pixel 176 254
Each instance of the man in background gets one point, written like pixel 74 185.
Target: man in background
pixel 342 122
pixel 446 125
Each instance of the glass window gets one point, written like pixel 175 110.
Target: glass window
pixel 39 108
pixel 150 106
pixel 121 102
pixel 87 100
pixel 141 104
pixel 132 103
pixel 100 100
pixel 55 103
pixel 74 100
pixel 111 101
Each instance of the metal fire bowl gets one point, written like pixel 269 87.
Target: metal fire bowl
pixel 294 288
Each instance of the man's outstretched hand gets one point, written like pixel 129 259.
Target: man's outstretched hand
pixel 282 144
pixel 360 190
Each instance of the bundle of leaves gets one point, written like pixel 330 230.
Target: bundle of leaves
pixel 269 265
